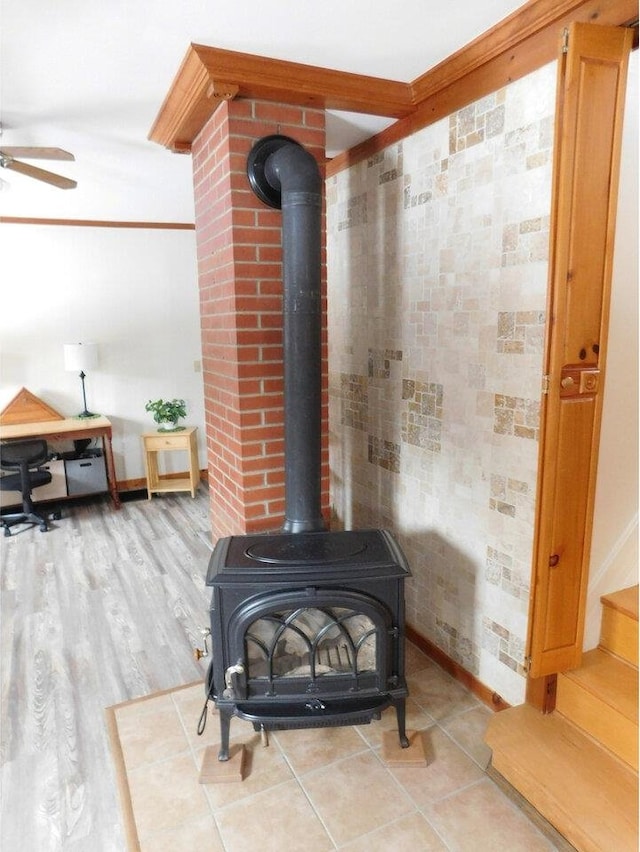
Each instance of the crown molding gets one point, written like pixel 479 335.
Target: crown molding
pixel 209 75
pixel 517 45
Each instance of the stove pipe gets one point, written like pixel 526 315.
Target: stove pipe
pixel 285 176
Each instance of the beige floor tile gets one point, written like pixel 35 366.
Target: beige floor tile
pixel 139 706
pixel 414 660
pixel 439 694
pixel 481 819
pixel 416 720
pixel 468 730
pixel 166 794
pixel 411 833
pixel 189 704
pixel 150 731
pixel 276 819
pixel 448 770
pixel 264 768
pixel 201 834
pixel 355 796
pixel 314 748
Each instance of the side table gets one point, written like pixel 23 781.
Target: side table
pixel 157 442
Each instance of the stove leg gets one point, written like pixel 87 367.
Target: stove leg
pixel 225 727
pixel 400 714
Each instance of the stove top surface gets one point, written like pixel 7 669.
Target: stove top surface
pixel 302 553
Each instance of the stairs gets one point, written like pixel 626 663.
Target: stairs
pixel 578 766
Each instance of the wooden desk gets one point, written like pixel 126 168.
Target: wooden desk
pixel 70 429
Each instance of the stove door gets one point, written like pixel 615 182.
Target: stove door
pixel 310 641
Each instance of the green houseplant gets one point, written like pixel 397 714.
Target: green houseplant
pixel 166 413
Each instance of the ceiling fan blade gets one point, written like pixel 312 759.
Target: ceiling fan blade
pixel 36 153
pixel 39 174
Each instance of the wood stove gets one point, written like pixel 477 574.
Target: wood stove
pixel 307 630
pixel 307 625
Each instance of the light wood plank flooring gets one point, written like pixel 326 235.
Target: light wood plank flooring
pixel 106 606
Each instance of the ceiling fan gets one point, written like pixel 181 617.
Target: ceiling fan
pixel 8 161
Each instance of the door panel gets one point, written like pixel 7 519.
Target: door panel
pixel 590 97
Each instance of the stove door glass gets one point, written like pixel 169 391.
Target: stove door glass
pixel 311 642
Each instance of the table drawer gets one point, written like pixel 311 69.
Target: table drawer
pixel 167 442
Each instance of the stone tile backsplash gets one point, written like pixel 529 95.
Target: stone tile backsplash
pixel 437 275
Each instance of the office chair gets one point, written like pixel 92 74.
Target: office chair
pixel 24 458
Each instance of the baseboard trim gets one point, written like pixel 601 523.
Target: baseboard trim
pixel 479 689
pixel 137 484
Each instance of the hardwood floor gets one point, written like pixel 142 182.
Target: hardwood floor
pixel 106 606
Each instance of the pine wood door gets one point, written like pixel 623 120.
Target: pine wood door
pixel 589 113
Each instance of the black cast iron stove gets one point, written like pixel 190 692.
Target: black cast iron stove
pixel 307 625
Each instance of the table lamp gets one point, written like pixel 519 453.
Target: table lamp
pixel 81 356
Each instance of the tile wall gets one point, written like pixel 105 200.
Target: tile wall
pixel 437 252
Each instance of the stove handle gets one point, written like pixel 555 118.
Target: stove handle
pixel 235 682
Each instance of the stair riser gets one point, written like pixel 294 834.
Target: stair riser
pixel 581 788
pixel 551 807
pixel 619 634
pixel 601 721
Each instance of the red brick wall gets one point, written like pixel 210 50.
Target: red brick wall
pixel 240 280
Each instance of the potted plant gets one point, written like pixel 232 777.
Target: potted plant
pixel 166 413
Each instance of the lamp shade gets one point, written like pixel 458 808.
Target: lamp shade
pixel 80 356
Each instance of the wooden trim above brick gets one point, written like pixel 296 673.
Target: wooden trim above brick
pixel 516 46
pixel 209 75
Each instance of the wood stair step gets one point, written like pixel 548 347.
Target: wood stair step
pixel 601 698
pixel 619 626
pixel 583 790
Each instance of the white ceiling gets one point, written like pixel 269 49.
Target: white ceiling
pixel 90 76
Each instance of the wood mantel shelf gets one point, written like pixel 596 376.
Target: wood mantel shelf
pixel 522 42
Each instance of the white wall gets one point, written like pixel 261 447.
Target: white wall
pixel 614 548
pixel 134 292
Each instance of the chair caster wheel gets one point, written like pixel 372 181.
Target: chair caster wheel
pixel 56 516
pixel 43 527
pixel 7 531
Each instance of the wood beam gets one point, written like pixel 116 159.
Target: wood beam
pixel 209 75
pixel 546 17
pixel 516 46
pixel 190 102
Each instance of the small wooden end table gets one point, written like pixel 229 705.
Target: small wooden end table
pixel 156 442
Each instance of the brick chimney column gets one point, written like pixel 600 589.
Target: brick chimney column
pixel 240 282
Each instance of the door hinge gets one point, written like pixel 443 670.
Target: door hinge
pixel 565 40
pixel 545 385
pixel 526 665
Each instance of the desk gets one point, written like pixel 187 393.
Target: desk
pixel 156 442
pixel 68 429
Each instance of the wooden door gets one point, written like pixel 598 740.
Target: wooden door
pixel 589 113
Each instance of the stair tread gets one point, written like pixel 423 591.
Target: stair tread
pixel 625 600
pixel 612 680
pixel 589 795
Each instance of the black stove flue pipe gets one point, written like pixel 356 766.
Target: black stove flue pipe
pixel 286 176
